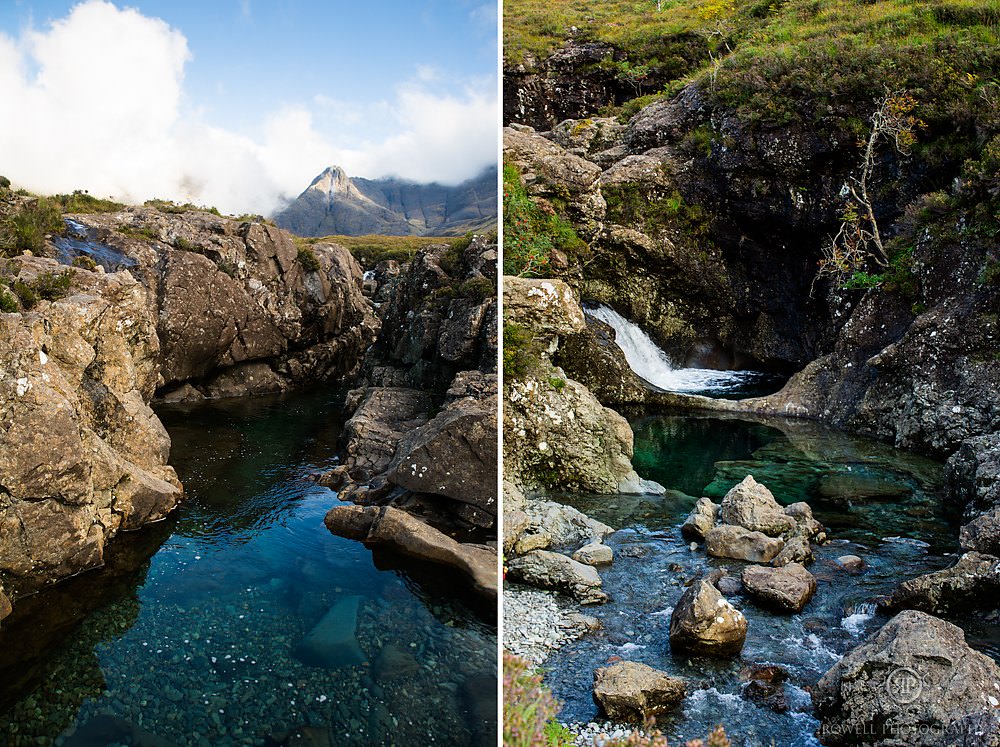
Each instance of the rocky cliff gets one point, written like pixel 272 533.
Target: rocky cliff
pixel 423 433
pixel 130 306
pixel 337 204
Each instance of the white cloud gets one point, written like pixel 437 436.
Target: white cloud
pixel 96 101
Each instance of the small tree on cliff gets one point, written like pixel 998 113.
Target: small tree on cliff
pixel 858 243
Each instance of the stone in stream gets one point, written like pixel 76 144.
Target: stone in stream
pixel 915 682
pixel 703 622
pixel 594 553
pixel 333 643
pixel 765 686
pixel 738 543
pixel 633 692
pixel 787 588
pixel 552 570
pixel 701 519
pixel 851 563
pixel 394 662
pixel 796 550
pixel 751 505
pixel 973 581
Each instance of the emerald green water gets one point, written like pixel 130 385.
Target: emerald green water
pixel 192 634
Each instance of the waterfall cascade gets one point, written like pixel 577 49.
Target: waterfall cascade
pixel 653 365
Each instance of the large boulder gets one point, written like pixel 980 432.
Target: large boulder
pixel 633 692
pixel 787 588
pixel 738 543
pixel 914 682
pixel 397 530
pixel 455 456
pixel 543 304
pixel 552 570
pixel 752 506
pixel 704 623
pixel 548 524
pixel 973 581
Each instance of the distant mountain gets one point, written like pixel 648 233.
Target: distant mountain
pixel 337 204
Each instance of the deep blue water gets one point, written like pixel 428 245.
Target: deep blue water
pixel 193 634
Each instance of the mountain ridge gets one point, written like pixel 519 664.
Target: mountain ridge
pixel 335 203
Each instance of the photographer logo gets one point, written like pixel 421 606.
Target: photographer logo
pixel 904 685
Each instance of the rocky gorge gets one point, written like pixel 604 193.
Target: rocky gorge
pixel 705 222
pixel 167 364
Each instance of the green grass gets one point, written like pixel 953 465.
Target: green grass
pixel 822 62
pixel 25 228
pixel 82 202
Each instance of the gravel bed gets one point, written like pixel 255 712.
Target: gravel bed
pixel 536 622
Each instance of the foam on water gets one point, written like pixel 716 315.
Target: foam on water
pixel 652 364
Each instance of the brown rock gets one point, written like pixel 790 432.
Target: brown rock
pixel 851 563
pixel 394 662
pixel 729 541
pixel 787 588
pixel 633 692
pixel 751 505
pixel 703 622
pixel 701 520
pixel 552 570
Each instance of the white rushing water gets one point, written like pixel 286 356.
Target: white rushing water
pixel 652 364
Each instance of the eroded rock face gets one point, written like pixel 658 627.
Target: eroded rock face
pixel 552 570
pixel 226 294
pixel 982 534
pixel 82 456
pixel 633 692
pixel 454 455
pixel 704 623
pixel 913 682
pixel 787 588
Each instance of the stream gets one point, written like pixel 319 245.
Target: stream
pixel 875 501
pixel 240 620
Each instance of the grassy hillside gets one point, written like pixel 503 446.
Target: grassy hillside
pixel 783 60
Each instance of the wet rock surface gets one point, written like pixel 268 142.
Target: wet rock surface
pixel 973 581
pixel 787 588
pixel 915 682
pixel 632 692
pixel 704 623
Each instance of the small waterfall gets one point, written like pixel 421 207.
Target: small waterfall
pixel 653 365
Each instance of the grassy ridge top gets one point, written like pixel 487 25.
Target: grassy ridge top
pixel 538 27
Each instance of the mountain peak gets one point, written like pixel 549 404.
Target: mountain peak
pixel 333 180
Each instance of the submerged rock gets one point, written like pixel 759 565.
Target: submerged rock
pixel 552 570
pixel 633 692
pixel 738 543
pixel 972 582
pixel 703 622
pixel 851 563
pixel 752 506
pixel 787 588
pixel 333 642
pixel 701 520
pixel 394 662
pixel 914 682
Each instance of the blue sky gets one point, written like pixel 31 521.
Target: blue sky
pixel 276 90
